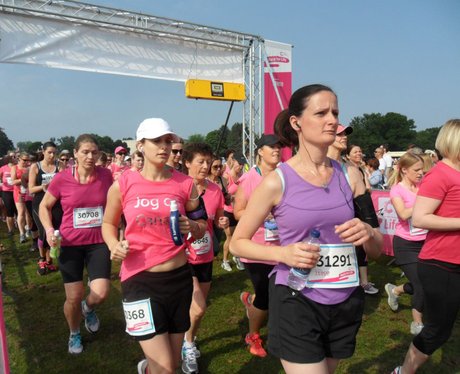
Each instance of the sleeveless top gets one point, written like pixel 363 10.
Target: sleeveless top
pixel 304 207
pixel 43 177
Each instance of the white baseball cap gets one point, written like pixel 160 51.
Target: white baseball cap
pixel 152 128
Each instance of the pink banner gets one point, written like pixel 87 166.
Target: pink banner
pixel 4 364
pixel 279 56
pixel 387 217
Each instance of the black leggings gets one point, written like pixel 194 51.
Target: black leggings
pixel 441 289
pixel 259 278
pixel 413 288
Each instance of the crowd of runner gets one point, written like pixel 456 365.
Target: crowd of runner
pixel 120 207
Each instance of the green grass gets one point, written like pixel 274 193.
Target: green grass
pixel 37 332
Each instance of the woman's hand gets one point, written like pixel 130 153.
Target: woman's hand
pixel 186 225
pixel 224 222
pixel 301 255
pixel 120 251
pixel 354 231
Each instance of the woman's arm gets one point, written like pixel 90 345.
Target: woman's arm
pixel 110 223
pixel 46 219
pixel 240 203
pixel 403 213
pixel 358 232
pixel 356 180
pixel 16 182
pixel 262 200
pixel 423 216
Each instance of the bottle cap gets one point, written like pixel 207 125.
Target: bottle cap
pixel 173 205
pixel 315 233
pixel 56 233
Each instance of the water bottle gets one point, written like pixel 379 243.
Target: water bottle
pixel 55 249
pixel 297 278
pixel 174 223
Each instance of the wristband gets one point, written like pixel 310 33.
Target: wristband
pixel 50 230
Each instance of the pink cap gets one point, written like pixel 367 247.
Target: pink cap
pixel 120 149
pixel 341 128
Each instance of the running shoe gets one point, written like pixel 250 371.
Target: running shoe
pixel 22 238
pixel 189 363
pixel 226 266
pixel 42 269
pixel 397 370
pixel 239 264
pixel 142 366
pixel 392 298
pixel 370 289
pixel 28 234
pixel 10 233
pixel 254 343
pixel 91 320
pixel 75 346
pixel 50 266
pixel 416 328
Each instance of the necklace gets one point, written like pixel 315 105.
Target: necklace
pixel 324 184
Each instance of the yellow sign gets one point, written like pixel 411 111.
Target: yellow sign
pixel 212 90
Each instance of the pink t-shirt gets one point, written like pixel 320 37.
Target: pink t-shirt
pixel 82 206
pixel 442 183
pixel 146 206
pixel 7 183
pixel 403 227
pixel 19 191
pixel 232 187
pixel 117 170
pixel 201 251
pixel 263 235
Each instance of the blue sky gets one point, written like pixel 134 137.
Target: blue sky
pixel 379 56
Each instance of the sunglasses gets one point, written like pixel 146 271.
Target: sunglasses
pixel 176 151
pixel 216 167
pixel 25 159
pixel 64 159
pixel 121 153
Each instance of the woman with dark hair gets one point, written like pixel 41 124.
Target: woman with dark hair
pixel 40 175
pixel 355 157
pixel 375 175
pixel 312 329
pixel 197 159
pixel 82 192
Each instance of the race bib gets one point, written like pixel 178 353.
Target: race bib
pixel 46 178
pixel 138 317
pixel 23 190
pixel 9 181
pixel 415 231
pixel 84 218
pixel 337 267
pixel 271 231
pixel 203 245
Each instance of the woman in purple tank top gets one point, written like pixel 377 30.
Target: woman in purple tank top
pixel 312 329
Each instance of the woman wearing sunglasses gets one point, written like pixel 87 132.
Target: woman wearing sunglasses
pixel 175 157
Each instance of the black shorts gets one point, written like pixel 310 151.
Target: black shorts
pixel 96 258
pixel 10 206
pixel 170 295
pixel 203 272
pixel 231 218
pixel 303 331
pixel 258 273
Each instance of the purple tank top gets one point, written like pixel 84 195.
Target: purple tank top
pixel 304 207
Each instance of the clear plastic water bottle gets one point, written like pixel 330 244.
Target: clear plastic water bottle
pixel 54 250
pixel 297 278
pixel 174 223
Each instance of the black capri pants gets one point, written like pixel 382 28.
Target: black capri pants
pixel 258 273
pixel 441 287
pixel 10 206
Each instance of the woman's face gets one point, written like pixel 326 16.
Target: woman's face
pixel 340 141
pixel 270 154
pixel 216 168
pixel 356 155
pixel 158 150
pixel 199 166
pixel 87 155
pixel 49 154
pixel 137 162
pixel 176 153
pixel 319 120
pixel 414 173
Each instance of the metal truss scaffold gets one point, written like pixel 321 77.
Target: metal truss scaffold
pixel 251 46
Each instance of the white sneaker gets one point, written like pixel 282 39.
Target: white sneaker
pixel 226 266
pixel 416 328
pixel 91 321
pixel 189 363
pixel 239 264
pixel 392 298
pixel 75 346
pixel 370 289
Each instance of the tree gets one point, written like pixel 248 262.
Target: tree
pixel 30 147
pixel 196 138
pixel 66 142
pixel 375 129
pixel 5 143
pixel 426 138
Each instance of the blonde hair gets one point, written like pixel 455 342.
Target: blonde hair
pixel 406 161
pixel 428 162
pixel 448 140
